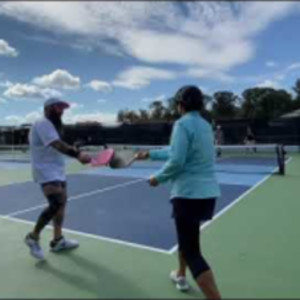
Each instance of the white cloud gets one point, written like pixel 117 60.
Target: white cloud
pixel 269 83
pixel 210 73
pixel 13 119
pixel 279 76
pixel 71 117
pixel 154 47
pixel 211 35
pixel 100 86
pixel 157 98
pixel 6 84
pixel 272 78
pixel 33 116
pixel 216 36
pixel 96 19
pixel 61 79
pixel 74 105
pixel 28 118
pixel 51 16
pixel 271 64
pixel 293 66
pixel 7 50
pixel 139 77
pixel 131 83
pixel 21 91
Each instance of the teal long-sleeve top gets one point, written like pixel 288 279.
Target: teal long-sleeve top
pixel 190 164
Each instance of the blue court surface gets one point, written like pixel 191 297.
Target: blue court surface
pixel 120 205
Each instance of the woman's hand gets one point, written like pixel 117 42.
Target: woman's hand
pixel 84 158
pixel 153 181
pixel 140 155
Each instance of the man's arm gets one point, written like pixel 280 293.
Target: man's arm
pixel 65 148
pixel 71 151
pixel 49 136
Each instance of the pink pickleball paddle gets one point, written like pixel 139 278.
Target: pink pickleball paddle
pixel 103 158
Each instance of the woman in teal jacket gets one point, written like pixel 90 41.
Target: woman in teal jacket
pixel 190 168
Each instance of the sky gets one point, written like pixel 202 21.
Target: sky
pixel 108 56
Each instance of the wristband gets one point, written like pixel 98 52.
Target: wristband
pixel 73 152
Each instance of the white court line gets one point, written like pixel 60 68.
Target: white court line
pixel 99 191
pixel 93 236
pixel 225 209
pixel 157 250
pixel 153 249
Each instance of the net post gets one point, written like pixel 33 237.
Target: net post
pixel 281 159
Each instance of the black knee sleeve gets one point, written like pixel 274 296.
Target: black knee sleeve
pixel 55 203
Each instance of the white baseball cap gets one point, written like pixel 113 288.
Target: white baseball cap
pixel 52 101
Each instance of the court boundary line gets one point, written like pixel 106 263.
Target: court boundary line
pixel 228 207
pixel 11 217
pixel 90 235
pixel 87 194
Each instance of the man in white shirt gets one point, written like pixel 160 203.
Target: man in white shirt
pixel 48 169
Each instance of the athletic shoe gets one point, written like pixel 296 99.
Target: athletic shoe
pixel 34 246
pixel 63 244
pixel 180 281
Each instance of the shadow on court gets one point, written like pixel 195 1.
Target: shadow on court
pixel 90 276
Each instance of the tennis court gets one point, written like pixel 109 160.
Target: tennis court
pixel 127 239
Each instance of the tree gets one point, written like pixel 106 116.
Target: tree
pixel 251 100
pixel 121 116
pixel 132 116
pixel 144 116
pixel 296 102
pixel 265 103
pixel 157 111
pixel 296 88
pixel 128 116
pixel 172 111
pixel 208 100
pixel 225 105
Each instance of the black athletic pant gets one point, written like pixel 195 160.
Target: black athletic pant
pixel 188 215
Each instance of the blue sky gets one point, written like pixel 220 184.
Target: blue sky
pixel 108 56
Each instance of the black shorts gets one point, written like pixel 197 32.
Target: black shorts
pixel 198 209
pixel 57 183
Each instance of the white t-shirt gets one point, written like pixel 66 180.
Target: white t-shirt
pixel 47 163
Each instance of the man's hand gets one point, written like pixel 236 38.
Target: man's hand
pixel 153 181
pixel 71 151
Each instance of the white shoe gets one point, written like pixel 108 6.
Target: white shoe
pixel 180 281
pixel 35 248
pixel 63 244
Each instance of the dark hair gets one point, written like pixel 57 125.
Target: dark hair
pixel 190 98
